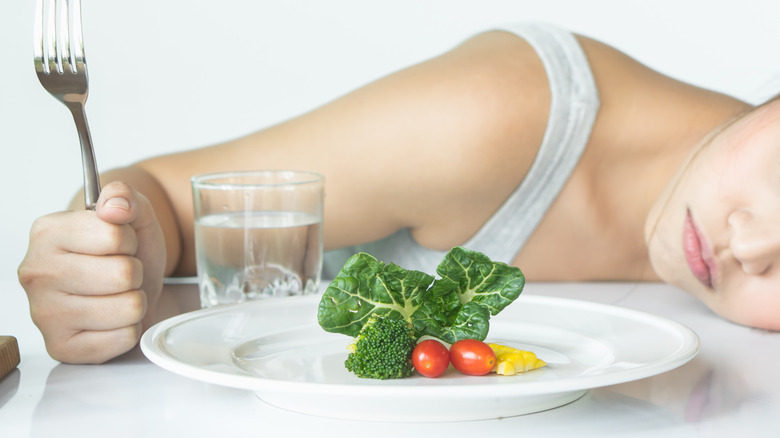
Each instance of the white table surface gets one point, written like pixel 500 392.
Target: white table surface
pixel 731 389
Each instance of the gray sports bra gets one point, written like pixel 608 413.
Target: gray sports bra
pixel 573 109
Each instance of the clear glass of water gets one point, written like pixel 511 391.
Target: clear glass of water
pixel 258 234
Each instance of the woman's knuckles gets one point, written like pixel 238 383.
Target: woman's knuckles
pixel 30 274
pixel 43 227
pixel 109 239
pixel 120 273
pixel 134 306
pixel 48 318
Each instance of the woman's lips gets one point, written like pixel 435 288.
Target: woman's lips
pixel 697 252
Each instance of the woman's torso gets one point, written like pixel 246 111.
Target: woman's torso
pixel 644 129
pixel 647 126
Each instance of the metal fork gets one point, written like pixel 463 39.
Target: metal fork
pixel 62 69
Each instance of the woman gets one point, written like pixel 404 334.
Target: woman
pixel 550 151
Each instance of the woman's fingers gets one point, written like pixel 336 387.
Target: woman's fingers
pixel 121 204
pixel 70 313
pixel 97 275
pixel 93 346
pixel 82 232
pixel 89 328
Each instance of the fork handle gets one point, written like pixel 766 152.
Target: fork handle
pixel 91 180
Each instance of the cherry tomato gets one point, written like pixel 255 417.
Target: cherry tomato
pixel 473 357
pixel 430 358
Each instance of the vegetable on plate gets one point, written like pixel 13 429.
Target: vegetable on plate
pixel 458 305
pixel 382 349
pixel 431 358
pixel 472 357
pixel 511 361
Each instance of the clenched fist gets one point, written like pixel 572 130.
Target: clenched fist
pixel 92 276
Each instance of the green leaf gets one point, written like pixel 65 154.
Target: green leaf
pixel 365 286
pixel 479 279
pixel 456 306
pixel 439 308
pixel 470 322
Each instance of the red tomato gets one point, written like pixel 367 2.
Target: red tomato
pixel 473 357
pixel 430 358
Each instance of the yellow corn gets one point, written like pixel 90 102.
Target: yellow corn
pixel 510 361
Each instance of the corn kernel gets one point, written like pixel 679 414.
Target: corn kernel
pixel 510 361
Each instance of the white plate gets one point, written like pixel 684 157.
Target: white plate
pixel 276 348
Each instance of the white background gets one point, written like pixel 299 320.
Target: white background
pixel 167 75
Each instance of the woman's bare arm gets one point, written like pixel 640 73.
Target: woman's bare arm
pixel 436 147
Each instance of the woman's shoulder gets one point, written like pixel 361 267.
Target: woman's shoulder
pixel 644 107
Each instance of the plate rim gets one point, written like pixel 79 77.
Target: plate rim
pixel 689 347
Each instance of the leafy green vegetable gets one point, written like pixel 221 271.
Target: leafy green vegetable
pixel 456 306
pixel 364 287
pixel 476 278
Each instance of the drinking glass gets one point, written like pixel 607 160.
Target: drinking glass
pixel 258 234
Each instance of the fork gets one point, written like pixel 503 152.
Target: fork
pixel 62 70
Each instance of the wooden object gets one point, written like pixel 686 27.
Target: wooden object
pixel 9 355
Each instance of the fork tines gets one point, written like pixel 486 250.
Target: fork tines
pixel 59 45
pixel 62 70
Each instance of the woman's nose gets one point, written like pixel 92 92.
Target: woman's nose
pixel 754 243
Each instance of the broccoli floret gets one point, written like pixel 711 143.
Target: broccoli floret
pixel 382 349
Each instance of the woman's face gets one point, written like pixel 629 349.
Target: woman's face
pixel 715 231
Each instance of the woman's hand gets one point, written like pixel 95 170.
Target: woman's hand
pixel 92 277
